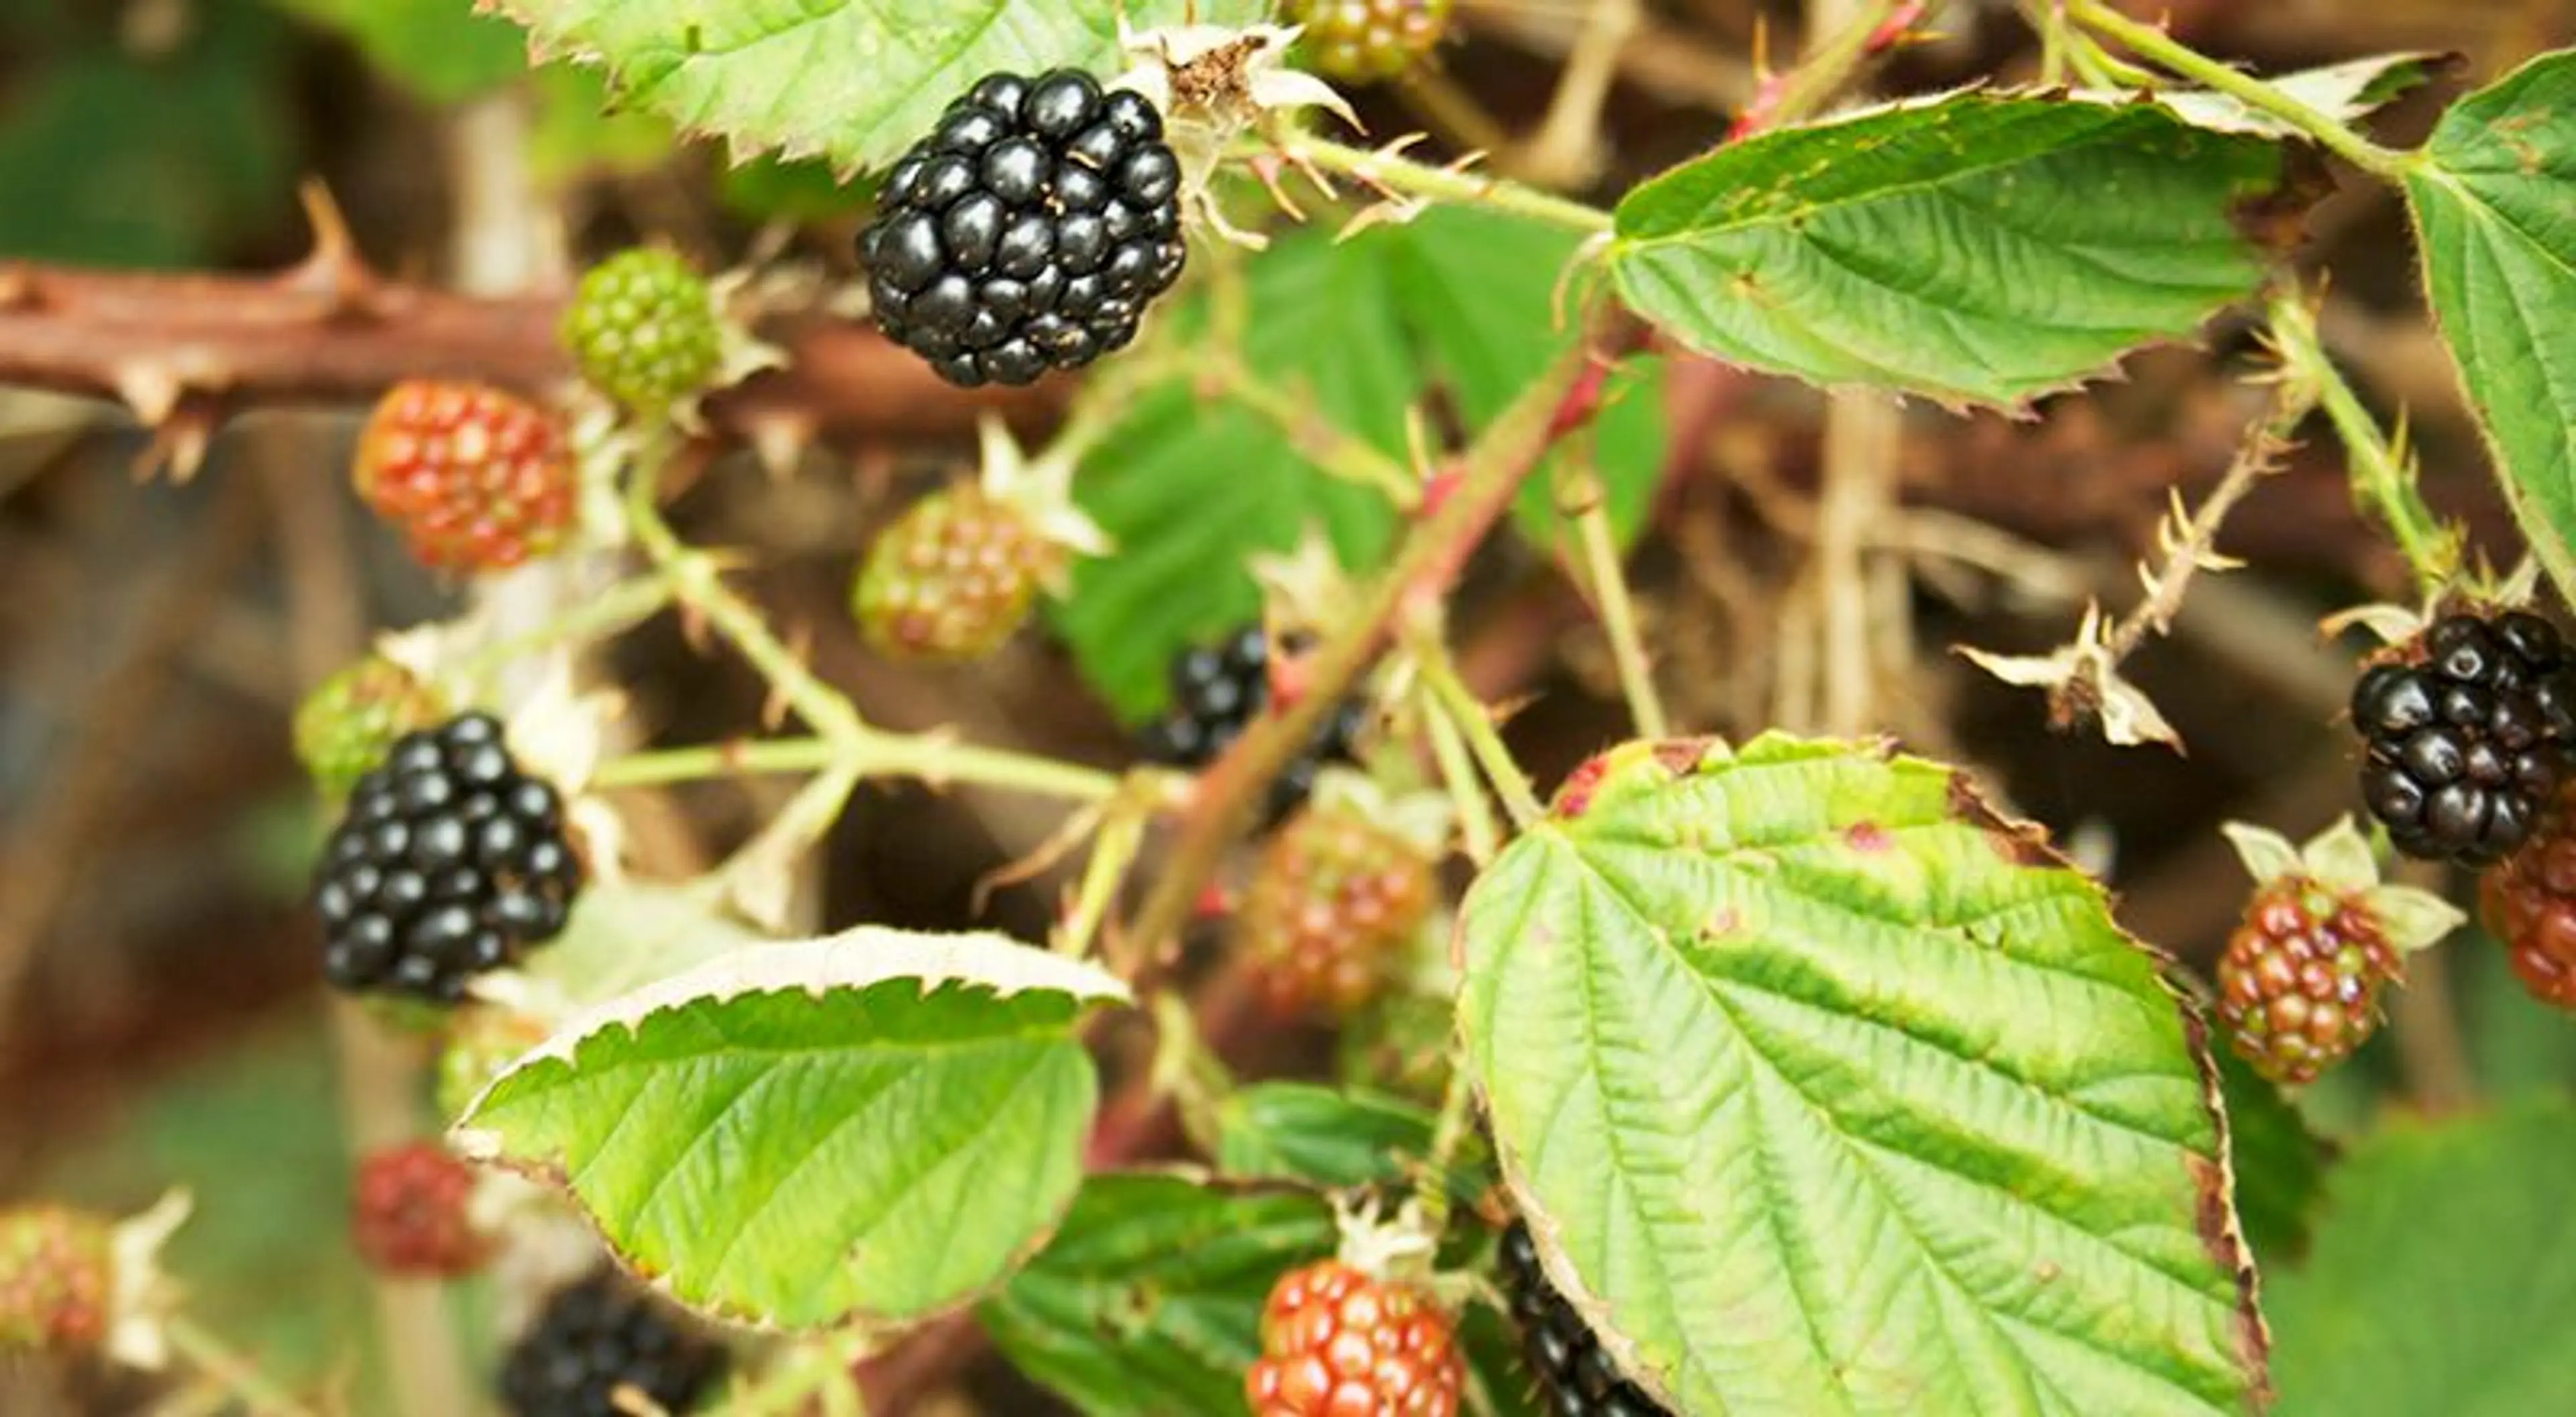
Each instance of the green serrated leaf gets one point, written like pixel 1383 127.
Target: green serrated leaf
pixel 1148 1302
pixel 441 50
pixel 1975 249
pixel 1191 491
pixel 1832 1094
pixel 2443 1276
pixel 1326 1136
pixel 870 1126
pixel 2494 198
pixel 854 82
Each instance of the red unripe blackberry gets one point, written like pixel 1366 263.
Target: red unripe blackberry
pixel 476 479
pixel 1332 906
pixel 597 1346
pixel 1338 1342
pixel 448 863
pixel 2467 740
pixel 409 1212
pixel 2299 984
pixel 1361 40
pixel 57 1271
pixel 1575 1375
pixel 1218 691
pixel 2529 902
pixel 1028 231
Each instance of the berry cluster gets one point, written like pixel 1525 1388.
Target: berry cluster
pixel 952 578
pixel 1217 692
pixel 1028 232
pixel 409 1213
pixel 2529 902
pixel 1574 1373
pixel 449 861
pixel 2466 746
pixel 1335 1340
pixel 599 1345
pixel 2299 984
pixel 1335 901
pixel 56 1269
pixel 1361 40
pixel 643 328
pixel 476 479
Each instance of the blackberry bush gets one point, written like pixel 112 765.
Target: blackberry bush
pixel 447 864
pixel 1821 1083
pixel 1028 231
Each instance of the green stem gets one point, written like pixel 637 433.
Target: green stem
pixel 1476 829
pixel 2154 45
pixel 1603 567
pixel 1316 437
pixel 669 765
pixel 238 1375
pixel 1390 173
pixel 1475 723
pixel 941 760
pixel 1826 71
pixel 1447 1135
pixel 2383 480
pixel 604 614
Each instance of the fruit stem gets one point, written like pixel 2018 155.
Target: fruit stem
pixel 1605 572
pixel 1477 834
pixel 612 610
pixel 1393 175
pixel 2383 474
pixel 236 1374
pixel 1336 451
pixel 2154 45
pixel 1475 723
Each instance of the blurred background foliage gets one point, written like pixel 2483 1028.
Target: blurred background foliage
pixel 178 1035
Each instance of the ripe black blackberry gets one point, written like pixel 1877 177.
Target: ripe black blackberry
pixel 449 861
pixel 597 1337
pixel 1218 690
pixel 2467 741
pixel 1029 231
pixel 1575 1377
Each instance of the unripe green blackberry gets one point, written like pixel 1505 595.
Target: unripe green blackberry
pixel 643 328
pixel 345 727
pixel 1358 41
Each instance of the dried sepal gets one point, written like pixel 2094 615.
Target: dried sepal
pixel 1212 84
pixel 2083 682
pixel 1040 490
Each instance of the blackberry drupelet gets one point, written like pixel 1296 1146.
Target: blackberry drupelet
pixel 1028 232
pixel 449 861
pixel 597 1336
pixel 1218 690
pixel 1574 1375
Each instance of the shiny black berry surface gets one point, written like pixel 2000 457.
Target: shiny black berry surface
pixel 1028 231
pixel 1575 1377
pixel 449 862
pixel 1217 692
pixel 599 1336
pixel 2465 749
